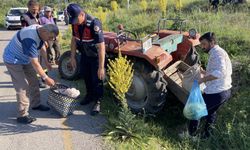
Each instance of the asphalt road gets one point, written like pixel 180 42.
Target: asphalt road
pixel 50 132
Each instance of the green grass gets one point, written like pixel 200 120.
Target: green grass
pixel 125 131
pixel 232 131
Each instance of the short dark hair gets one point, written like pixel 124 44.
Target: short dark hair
pixel 32 2
pixel 52 28
pixel 209 36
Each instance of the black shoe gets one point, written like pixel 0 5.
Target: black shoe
pixel 87 99
pixel 96 109
pixel 41 108
pixel 26 119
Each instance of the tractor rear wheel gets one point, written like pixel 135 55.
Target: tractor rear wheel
pixel 65 69
pixel 148 90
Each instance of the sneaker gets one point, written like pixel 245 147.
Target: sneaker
pixel 96 109
pixel 87 99
pixel 41 108
pixel 26 119
pixel 186 135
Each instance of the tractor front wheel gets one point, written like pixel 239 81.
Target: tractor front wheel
pixel 65 69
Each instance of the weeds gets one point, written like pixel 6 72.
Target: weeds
pixel 232 27
pixel 230 133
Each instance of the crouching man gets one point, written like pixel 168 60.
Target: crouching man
pixel 21 59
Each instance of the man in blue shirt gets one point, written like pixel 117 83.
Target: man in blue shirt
pixel 21 59
pixel 30 18
pixel 88 39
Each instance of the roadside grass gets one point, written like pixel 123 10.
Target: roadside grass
pixel 232 131
pixel 2 16
pixel 161 132
pixel 65 39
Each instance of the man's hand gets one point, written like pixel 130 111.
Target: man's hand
pixel 73 62
pixel 207 78
pixel 201 80
pixel 49 81
pixel 101 58
pixel 40 71
pixel 46 44
pixel 202 71
pixel 73 53
pixel 101 73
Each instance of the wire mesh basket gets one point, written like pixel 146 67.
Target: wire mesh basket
pixel 62 104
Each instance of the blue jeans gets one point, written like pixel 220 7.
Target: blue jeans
pixel 213 103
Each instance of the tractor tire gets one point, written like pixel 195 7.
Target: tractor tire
pixel 148 90
pixel 65 69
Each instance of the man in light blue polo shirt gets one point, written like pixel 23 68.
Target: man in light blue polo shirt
pixel 21 59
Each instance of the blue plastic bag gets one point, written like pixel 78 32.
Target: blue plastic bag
pixel 195 107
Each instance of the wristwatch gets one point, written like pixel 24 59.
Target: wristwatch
pixel 45 77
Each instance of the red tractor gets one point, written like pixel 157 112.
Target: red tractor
pixel 156 58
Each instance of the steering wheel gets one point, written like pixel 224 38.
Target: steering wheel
pixel 125 35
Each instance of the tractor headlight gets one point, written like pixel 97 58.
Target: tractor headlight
pixel 192 33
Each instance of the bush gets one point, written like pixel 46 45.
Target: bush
pixel 120 73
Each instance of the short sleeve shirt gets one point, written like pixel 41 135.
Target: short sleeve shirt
pixel 23 46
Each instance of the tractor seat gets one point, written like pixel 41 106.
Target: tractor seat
pixel 110 41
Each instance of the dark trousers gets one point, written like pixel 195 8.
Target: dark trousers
pixel 214 3
pixel 213 103
pixel 66 20
pixel 53 45
pixel 89 70
pixel 55 20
